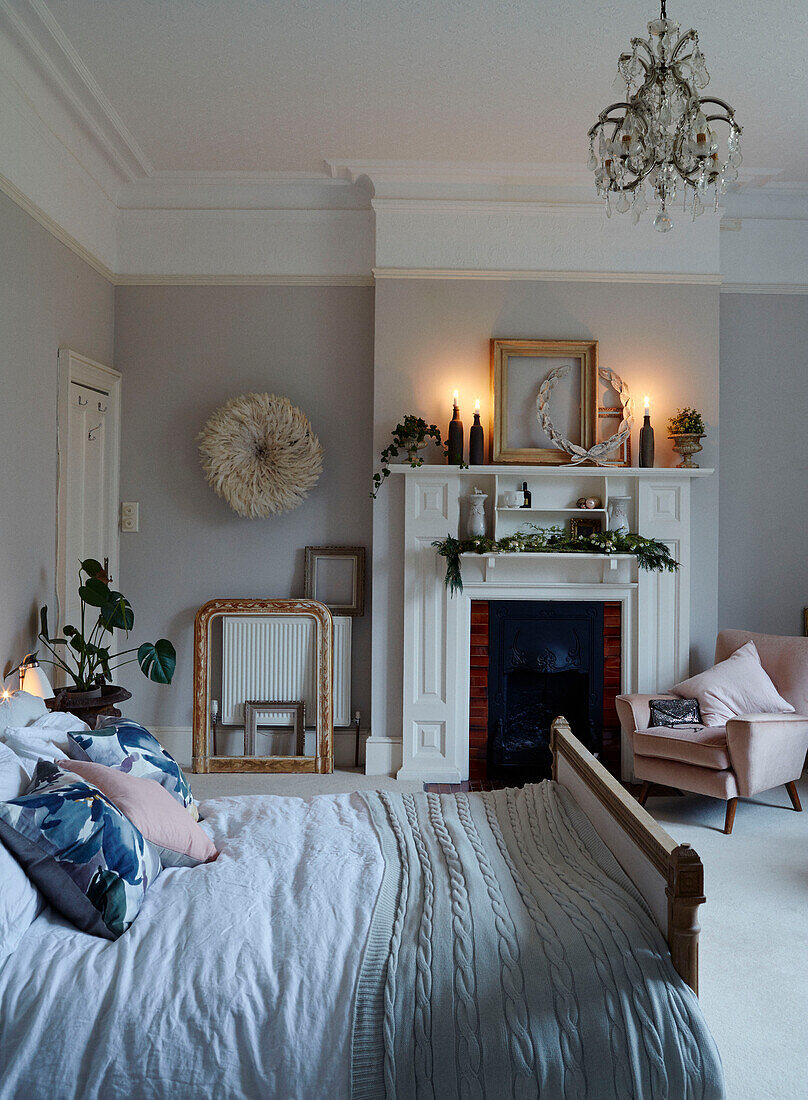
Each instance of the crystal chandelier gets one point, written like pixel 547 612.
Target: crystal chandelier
pixel 663 134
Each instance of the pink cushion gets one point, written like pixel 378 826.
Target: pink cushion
pixel 151 809
pixel 705 747
pixel 737 686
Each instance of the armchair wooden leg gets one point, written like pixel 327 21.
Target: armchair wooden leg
pixel 643 795
pixel 729 820
pixel 793 795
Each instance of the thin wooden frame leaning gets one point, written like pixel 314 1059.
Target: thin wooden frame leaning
pixel 313 554
pixel 502 351
pixel 203 758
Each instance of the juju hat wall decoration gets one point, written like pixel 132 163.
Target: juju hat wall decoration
pixel 259 452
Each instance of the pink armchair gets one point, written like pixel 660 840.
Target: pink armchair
pixel 752 753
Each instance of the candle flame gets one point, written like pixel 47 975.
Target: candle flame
pixel 477 405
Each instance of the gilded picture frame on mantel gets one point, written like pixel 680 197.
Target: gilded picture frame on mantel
pixel 518 368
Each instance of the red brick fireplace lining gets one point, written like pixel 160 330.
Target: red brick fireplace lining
pixel 478 703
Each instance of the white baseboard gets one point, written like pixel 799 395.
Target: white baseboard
pixel 178 740
pixel 383 755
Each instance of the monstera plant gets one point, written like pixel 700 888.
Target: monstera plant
pixel 85 650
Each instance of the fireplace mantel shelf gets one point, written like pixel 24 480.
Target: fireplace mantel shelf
pixel 568 470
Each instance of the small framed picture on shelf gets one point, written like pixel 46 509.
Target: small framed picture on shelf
pixel 519 369
pixel 582 526
pixel 335 575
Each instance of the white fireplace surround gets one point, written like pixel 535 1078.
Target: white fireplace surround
pixel 655 606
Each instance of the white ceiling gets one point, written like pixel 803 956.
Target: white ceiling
pixel 283 85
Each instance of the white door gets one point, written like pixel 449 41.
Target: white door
pixel 88 441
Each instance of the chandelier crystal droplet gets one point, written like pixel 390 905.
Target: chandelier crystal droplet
pixel 664 135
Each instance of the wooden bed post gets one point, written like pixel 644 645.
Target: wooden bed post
pixel 661 870
pixel 685 892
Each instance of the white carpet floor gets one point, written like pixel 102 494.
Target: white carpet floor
pixel 754 941
pixel 753 966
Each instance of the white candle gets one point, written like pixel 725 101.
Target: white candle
pixel 647 406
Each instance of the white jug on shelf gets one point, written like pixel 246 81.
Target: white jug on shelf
pixel 475 525
pixel 618 514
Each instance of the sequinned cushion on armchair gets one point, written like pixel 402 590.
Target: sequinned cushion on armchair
pixel 75 845
pixel 124 744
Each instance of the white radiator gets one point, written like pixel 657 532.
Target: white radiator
pixel 274 658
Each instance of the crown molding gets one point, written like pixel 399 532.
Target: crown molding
pixel 44 45
pixel 241 191
pixel 666 277
pixel 243 280
pixel 764 288
pixel 53 227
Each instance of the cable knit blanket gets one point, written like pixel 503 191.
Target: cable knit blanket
pixel 510 956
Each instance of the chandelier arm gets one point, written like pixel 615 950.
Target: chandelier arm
pixel 649 49
pixel 688 36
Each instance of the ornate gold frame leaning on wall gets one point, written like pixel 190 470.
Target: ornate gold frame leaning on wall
pixel 204 759
pixel 502 351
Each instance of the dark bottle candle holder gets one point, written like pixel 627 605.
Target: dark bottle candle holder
pixel 646 443
pixel 476 442
pixel 454 440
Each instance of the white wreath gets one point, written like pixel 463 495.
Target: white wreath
pixel 599 452
pixel 260 453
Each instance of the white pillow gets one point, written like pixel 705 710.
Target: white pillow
pixel 20 902
pixel 44 739
pixel 739 685
pixel 13 776
pixel 20 709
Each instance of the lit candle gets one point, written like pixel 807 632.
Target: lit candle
pixel 477 405
pixel 455 404
pixel 647 406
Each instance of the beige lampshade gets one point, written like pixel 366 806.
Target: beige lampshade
pixel 34 681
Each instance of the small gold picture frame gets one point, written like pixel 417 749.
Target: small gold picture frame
pixel 518 368
pixel 585 525
pixel 262 715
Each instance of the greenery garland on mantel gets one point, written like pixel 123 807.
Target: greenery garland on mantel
pixel 650 553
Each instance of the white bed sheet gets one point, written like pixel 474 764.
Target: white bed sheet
pixel 235 980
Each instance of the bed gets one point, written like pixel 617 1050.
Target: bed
pixel 385 945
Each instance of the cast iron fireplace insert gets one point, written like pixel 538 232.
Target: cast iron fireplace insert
pixel 545 659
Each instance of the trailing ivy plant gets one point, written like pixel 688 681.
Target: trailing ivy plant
pixel 86 656
pixel 409 436
pixel 687 422
pixel 650 553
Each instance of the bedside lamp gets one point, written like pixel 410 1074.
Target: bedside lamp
pixel 34 681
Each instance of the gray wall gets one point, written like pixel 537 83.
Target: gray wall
pixel 763 582
pixel 432 336
pixel 184 352
pixel 49 298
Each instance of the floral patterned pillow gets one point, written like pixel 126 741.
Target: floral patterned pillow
pixel 124 744
pixel 75 845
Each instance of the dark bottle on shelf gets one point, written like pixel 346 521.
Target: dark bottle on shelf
pixel 528 495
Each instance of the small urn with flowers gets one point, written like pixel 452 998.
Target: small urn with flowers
pixel 687 430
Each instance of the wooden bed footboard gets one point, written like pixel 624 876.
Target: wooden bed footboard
pixel 670 876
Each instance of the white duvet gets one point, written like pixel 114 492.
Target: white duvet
pixel 235 980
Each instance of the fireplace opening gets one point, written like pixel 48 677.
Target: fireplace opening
pixel 530 661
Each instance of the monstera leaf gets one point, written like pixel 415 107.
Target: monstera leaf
pixel 117 613
pixel 95 592
pixel 157 660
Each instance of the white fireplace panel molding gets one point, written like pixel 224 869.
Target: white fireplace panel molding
pixel 436 666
